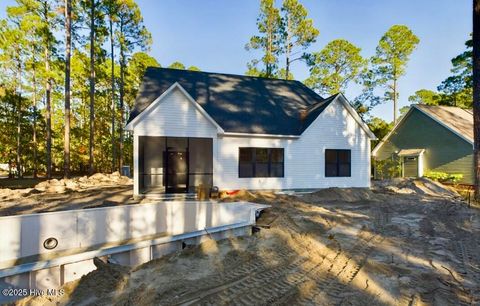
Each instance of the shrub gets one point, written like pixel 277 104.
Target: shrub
pixel 388 168
pixel 444 177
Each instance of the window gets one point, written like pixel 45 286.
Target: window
pixel 337 163
pixel 260 162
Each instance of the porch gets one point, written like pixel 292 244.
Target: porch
pixel 174 165
pixel 412 162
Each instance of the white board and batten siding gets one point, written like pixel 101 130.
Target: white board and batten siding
pixel 304 158
pixel 174 116
pixel 177 115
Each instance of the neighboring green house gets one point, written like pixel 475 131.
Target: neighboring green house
pixel 430 138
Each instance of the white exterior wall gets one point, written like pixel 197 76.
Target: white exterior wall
pixel 304 158
pixel 174 116
pixel 334 128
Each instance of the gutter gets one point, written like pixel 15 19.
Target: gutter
pixel 250 135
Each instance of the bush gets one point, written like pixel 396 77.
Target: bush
pixel 444 177
pixel 388 168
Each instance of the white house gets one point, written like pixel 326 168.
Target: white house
pixel 238 132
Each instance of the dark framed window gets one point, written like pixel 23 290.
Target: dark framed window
pixel 338 163
pixel 260 162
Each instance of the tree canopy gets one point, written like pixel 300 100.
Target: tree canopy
pixel 390 61
pixel 456 89
pixel 335 66
pixel 40 92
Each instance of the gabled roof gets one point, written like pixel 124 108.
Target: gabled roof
pixel 456 119
pixel 239 104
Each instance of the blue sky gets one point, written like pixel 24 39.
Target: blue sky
pixel 211 34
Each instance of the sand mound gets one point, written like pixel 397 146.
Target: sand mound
pixel 341 194
pixel 78 183
pixel 420 186
pixel 105 279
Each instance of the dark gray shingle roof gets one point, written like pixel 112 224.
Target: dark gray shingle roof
pixel 239 104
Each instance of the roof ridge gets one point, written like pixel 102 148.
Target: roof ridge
pixel 444 106
pixel 220 73
pixel 314 106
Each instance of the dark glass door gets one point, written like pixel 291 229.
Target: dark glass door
pixel 177 171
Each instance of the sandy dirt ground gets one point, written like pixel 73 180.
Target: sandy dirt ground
pixel 401 243
pixel 83 192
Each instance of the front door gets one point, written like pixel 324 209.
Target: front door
pixel 177 172
pixel 410 166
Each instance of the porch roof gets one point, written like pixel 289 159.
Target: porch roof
pixel 411 152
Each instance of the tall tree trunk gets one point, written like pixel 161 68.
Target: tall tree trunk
pixel 48 90
pixel 92 88
pixel 476 94
pixel 112 57
pixel 19 122
pixel 48 112
pixel 287 50
pixel 269 53
pixel 34 128
pixel 395 106
pixel 122 93
pixel 68 48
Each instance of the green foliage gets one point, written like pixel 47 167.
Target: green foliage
pixel 177 65
pixel 193 68
pixel 335 66
pixel 269 25
pixel 390 61
pixel 444 177
pixel 298 33
pixel 388 168
pixel 425 96
pixel 380 128
pixel 285 31
pixel 298 30
pixel 393 52
pixel 455 90
pixel 29 40
pixel 282 74
pixel 134 73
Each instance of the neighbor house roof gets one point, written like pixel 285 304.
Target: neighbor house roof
pixel 239 104
pixel 457 119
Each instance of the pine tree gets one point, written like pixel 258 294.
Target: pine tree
pixel 335 66
pixel 390 61
pixel 269 24
pixel 131 34
pixel 298 32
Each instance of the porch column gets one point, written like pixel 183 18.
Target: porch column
pixel 136 177
pixel 216 172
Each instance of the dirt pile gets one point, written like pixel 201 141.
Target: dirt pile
pixel 55 186
pixel 341 194
pixel 65 194
pixel 420 186
pixel 84 182
pixel 93 286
